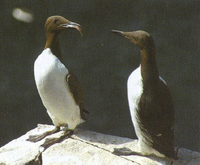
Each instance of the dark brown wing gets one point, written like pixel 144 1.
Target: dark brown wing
pixel 156 113
pixel 76 90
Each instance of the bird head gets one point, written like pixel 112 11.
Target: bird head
pixel 56 24
pixel 140 38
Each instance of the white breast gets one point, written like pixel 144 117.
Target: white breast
pixel 50 77
pixel 135 89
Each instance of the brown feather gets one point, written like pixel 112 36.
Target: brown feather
pixel 76 90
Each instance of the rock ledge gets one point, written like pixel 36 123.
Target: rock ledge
pixel 83 148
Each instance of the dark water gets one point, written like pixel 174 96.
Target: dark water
pixel 102 61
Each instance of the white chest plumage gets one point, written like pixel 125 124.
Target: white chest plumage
pixel 135 89
pixel 50 77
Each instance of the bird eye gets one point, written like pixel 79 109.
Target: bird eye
pixel 55 21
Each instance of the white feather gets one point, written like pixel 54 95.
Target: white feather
pixel 50 77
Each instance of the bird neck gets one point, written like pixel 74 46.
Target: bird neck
pixel 52 42
pixel 149 70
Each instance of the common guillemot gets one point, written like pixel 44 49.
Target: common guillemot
pixel 58 87
pixel 150 102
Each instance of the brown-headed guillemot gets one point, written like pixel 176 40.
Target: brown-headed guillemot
pixel 150 102
pixel 58 87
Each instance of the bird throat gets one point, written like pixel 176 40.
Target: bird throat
pixel 53 43
pixel 149 70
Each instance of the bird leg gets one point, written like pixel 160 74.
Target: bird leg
pixel 35 138
pixel 50 141
pixel 125 151
pixel 176 153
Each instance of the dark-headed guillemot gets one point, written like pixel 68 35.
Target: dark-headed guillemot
pixel 150 101
pixel 58 87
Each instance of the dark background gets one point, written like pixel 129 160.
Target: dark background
pixel 102 61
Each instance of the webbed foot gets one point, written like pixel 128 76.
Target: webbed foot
pixel 50 141
pixel 35 138
pixel 124 151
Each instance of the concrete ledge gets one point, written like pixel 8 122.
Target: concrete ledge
pixel 83 148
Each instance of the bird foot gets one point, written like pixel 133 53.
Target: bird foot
pixel 124 151
pixel 36 138
pixel 50 141
pixel 176 153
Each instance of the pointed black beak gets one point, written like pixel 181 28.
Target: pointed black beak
pixel 72 25
pixel 120 33
pixel 126 35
